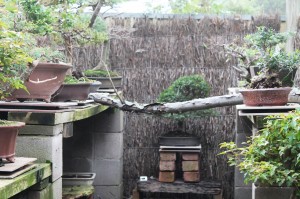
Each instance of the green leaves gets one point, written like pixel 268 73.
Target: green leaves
pixel 272 157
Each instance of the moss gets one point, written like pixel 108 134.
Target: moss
pixel 7 123
pixel 100 73
pixel 73 80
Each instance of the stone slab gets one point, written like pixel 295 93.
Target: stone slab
pixel 19 163
pixel 108 192
pixel 272 192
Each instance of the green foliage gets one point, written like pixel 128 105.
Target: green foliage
pixel 7 123
pixel 14 60
pixel 69 79
pixel 272 157
pixel 100 73
pixel 265 50
pixel 184 89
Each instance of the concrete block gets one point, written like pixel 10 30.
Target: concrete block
pixel 52 191
pixel 191 176
pixel 168 156
pixel 68 130
pixel 243 193
pixel 190 156
pixel 166 165
pixel 108 145
pixel 108 172
pixel 190 165
pixel 241 138
pixel 109 121
pixel 41 130
pixel 166 176
pixel 239 179
pixel 108 192
pixel 272 192
pixel 44 148
pixel 72 164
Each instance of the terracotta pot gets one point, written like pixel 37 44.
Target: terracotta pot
pixel 8 135
pixel 45 79
pixel 266 97
pixel 78 91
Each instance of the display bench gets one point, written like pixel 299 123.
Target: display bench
pixel 42 138
pixel 249 120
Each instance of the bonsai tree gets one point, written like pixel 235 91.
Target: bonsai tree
pixel 271 158
pixel 265 50
pixel 183 89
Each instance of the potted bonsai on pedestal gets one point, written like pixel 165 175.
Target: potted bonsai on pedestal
pixel 271 159
pixel 262 62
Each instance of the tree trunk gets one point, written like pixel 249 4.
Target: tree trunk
pixel 95 13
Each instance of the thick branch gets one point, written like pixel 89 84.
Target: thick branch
pixel 95 13
pixel 176 107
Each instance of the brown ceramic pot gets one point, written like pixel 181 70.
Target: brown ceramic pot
pixel 266 97
pixel 8 135
pixel 78 91
pixel 106 84
pixel 44 80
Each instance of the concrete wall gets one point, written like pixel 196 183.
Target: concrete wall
pixel 97 146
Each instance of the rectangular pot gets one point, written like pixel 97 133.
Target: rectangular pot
pixel 72 179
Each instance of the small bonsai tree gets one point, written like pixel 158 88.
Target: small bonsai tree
pixel 272 157
pixel 264 49
pixel 184 89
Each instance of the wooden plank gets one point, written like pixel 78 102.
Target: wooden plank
pixel 202 187
pixel 19 162
pixel 10 187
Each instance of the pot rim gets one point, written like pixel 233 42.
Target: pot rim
pixel 263 89
pixel 15 124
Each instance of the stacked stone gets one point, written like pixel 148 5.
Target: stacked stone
pixel 167 166
pixel 190 167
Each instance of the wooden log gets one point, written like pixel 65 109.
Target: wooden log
pixel 202 187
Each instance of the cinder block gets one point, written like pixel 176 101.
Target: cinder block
pixel 108 192
pixel 272 192
pixel 167 165
pixel 73 164
pixel 239 179
pixel 190 165
pixel 52 191
pixel 108 172
pixel 109 121
pixel 241 138
pixel 243 193
pixel 166 176
pixel 108 145
pixel 168 156
pixel 191 176
pixel 190 156
pixel 44 148
pixel 41 130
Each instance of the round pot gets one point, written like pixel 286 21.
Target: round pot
pixel 266 97
pixel 8 135
pixel 44 80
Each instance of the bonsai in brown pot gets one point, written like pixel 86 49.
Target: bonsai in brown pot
pixel 264 50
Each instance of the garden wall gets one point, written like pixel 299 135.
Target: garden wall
pixel 151 53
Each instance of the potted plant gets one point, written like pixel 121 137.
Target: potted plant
pixel 15 65
pixel 263 54
pixel 75 89
pixel 271 158
pixel 105 77
pixel 183 89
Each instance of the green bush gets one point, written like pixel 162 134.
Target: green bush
pixel 273 156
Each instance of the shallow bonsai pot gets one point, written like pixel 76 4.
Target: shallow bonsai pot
pixel 95 86
pixel 72 179
pixel 44 80
pixel 179 141
pixel 8 135
pixel 266 97
pixel 106 84
pixel 78 91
